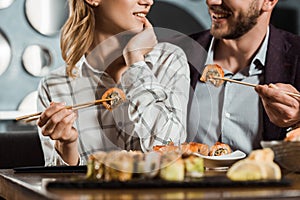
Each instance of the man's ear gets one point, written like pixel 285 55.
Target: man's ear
pixel 268 5
pixel 94 3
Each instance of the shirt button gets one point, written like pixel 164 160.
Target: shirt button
pixel 227 115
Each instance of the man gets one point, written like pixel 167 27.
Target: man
pixel 249 49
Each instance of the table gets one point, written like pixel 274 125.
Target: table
pixel 32 186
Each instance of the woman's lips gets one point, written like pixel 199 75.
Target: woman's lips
pixel 140 15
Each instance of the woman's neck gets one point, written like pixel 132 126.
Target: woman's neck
pixel 106 53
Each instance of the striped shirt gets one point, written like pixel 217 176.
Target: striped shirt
pixel 154 112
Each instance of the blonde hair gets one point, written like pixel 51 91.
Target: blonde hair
pixel 77 34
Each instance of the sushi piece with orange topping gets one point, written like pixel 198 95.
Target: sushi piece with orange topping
pixel 117 96
pixel 210 71
pixel 219 149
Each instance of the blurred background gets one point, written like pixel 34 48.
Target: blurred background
pixel 29 43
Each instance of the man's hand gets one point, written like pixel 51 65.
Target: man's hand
pixel 282 109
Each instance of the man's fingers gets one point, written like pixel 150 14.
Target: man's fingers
pixel 271 85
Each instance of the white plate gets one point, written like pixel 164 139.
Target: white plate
pixel 222 161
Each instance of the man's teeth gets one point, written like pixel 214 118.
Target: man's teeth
pixel 221 15
pixel 218 16
pixel 140 14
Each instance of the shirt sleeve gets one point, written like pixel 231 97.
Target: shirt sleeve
pixel 157 90
pixel 51 156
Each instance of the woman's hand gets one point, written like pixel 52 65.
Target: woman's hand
pixel 140 45
pixel 57 122
pixel 282 109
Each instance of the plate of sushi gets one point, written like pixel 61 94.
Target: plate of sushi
pixel 168 166
pixel 221 155
pixel 168 163
pixel 223 160
pixel 165 162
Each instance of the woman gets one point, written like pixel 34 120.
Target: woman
pixel 105 44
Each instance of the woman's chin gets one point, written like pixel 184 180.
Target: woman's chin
pixel 137 29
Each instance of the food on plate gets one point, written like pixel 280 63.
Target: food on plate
pixel 210 71
pixel 145 164
pixel 118 166
pixel 194 166
pixel 127 165
pixel 293 135
pixel 170 147
pixel 152 164
pixel 96 167
pixel 257 166
pixel 246 170
pixel 203 149
pixel 138 161
pixel 219 149
pixel 168 162
pixel 172 167
pixel 117 95
pixel 186 148
pixel 262 155
pixel 273 171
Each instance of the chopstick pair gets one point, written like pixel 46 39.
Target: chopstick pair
pixel 35 116
pixel 251 85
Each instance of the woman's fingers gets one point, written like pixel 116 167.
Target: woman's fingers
pixel 140 44
pixel 49 112
pixel 147 24
pixel 57 123
pixel 63 130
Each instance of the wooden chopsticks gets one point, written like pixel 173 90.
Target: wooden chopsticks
pixel 250 84
pixel 35 116
pixel 234 81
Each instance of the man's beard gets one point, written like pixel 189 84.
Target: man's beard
pixel 244 23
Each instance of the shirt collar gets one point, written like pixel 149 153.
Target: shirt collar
pixel 257 63
pixel 83 62
pixel 259 60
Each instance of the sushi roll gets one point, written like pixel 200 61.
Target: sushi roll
pixel 210 71
pixel 119 166
pixel 219 149
pixel 172 167
pixel 194 166
pixel 117 95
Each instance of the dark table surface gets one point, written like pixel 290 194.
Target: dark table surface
pixel 36 185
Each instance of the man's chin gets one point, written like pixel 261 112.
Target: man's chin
pixel 221 33
pixel 218 34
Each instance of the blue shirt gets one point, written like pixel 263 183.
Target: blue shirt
pixel 231 113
